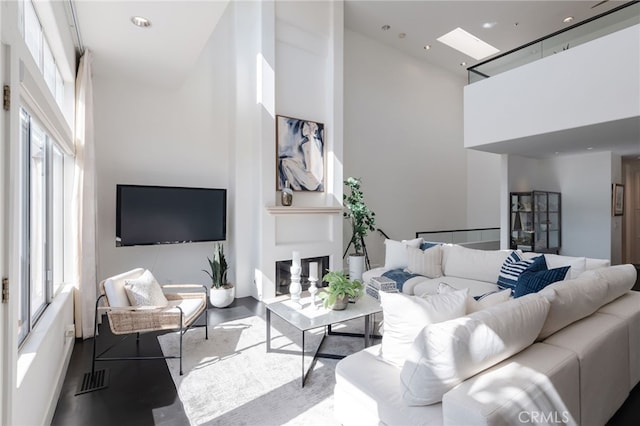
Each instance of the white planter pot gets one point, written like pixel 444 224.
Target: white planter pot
pixel 356 267
pixel 222 297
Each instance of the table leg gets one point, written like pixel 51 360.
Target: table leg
pixel 268 330
pixel 304 375
pixel 367 331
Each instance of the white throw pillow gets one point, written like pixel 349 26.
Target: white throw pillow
pixel 396 256
pixel 427 262
pixel 485 301
pixel 445 354
pixel 473 264
pixel 145 291
pixel 489 300
pixel 578 264
pixel 404 317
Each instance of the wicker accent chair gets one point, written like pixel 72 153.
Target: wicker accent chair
pixel 183 310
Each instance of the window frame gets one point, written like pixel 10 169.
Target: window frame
pixel 29 315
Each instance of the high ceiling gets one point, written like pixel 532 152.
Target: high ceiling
pixel 513 24
pixel 164 53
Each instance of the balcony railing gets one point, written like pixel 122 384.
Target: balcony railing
pixel 480 238
pixel 609 22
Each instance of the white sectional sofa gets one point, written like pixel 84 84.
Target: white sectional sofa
pixel 572 359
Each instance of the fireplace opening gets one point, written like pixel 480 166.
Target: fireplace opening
pixel 283 273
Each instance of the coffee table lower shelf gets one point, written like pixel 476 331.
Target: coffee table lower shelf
pixel 281 311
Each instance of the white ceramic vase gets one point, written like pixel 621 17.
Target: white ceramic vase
pixel 356 266
pixel 222 297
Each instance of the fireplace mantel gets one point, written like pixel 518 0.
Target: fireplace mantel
pixel 283 210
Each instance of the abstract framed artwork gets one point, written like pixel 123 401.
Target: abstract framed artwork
pixel 618 199
pixel 299 154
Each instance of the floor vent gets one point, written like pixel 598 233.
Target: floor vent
pixel 93 382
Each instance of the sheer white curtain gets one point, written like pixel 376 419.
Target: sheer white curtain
pixel 84 201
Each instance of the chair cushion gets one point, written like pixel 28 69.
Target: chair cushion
pixel 404 317
pixel 445 354
pixel 190 307
pixel 145 291
pixel 114 288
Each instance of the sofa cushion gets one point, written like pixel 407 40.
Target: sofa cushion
pixel 430 286
pixel 404 317
pixel 571 301
pixel 368 392
pixel 601 343
pixel 427 262
pixel 577 298
pixel 534 281
pixel 578 264
pixel 480 265
pixel 447 353
pixel 540 379
pixel 395 255
pixel 627 307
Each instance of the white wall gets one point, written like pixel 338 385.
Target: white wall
pixel 591 83
pixel 404 139
pixel 584 182
pixel 159 136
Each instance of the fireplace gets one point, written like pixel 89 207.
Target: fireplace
pixel 283 273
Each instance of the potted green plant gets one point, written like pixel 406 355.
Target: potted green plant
pixel 222 292
pixel 362 221
pixel 336 295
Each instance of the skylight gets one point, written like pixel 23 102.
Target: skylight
pixel 468 44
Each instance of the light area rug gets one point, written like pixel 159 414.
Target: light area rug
pixel 230 379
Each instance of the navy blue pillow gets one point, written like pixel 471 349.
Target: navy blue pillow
pixel 539 264
pixel 533 282
pixel 427 245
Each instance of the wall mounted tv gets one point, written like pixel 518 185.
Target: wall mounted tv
pixel 169 215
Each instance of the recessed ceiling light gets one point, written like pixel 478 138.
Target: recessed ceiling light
pixel 488 25
pixel 140 21
pixel 427 47
pixel 567 19
pixel 590 148
pixel 468 44
pixel 463 64
pixel 385 27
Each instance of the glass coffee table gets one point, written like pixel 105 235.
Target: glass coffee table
pixel 304 317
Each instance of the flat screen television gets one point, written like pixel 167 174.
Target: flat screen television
pixel 168 215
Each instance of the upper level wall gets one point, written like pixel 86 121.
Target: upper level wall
pixel 592 83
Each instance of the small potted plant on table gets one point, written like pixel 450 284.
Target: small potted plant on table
pixel 222 293
pixel 336 295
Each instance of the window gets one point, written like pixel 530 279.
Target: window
pixel 37 43
pixel 42 256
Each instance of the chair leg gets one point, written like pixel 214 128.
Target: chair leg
pixel 206 323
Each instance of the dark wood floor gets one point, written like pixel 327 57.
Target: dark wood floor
pixel 142 392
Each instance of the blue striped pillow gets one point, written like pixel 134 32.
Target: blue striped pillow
pixel 533 282
pixel 513 266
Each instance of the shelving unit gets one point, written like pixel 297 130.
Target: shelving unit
pixel 536 221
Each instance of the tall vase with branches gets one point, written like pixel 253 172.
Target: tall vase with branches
pixel 361 217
